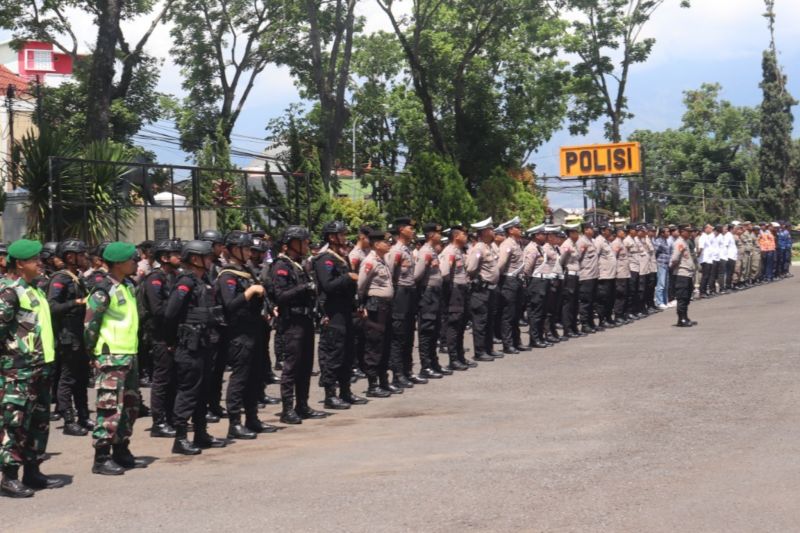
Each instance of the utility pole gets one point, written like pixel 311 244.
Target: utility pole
pixel 10 94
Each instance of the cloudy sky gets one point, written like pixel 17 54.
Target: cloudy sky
pixel 714 41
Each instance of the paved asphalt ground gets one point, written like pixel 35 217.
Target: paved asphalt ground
pixel 643 428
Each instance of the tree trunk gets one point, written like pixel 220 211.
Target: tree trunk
pixel 101 75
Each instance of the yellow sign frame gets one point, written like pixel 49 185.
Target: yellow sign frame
pixel 600 160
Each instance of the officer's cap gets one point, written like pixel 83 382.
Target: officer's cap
pixel 736 223
pixel 404 221
pixel 119 252
pixel 776 225
pixel 513 223
pixel 572 227
pixel 431 227
pixel 552 230
pixel 420 238
pixel 24 249
pixel 672 227
pixel 483 224
pixel 378 235
pixel 536 229
pixel 587 225
pixel 500 230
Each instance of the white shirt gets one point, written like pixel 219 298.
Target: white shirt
pixel 730 246
pixel 716 244
pixel 706 245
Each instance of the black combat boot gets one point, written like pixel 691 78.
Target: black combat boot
pixel 182 444
pixel 71 427
pixel 162 429
pixel 443 370
pixel 402 381
pixel 430 373
pixel 391 387
pixel 33 478
pixel 11 486
pixel 302 408
pixel 203 440
pixel 347 395
pixel 236 430
pixel 123 457
pixel 289 415
pixel 332 401
pixel 104 464
pixel 252 423
pixel 456 364
pixel 85 420
pixel 376 391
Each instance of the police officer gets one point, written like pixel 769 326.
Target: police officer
pixel 571 266
pixel 243 301
pixel 375 293
pixel 67 298
pixel 404 307
pixel 356 257
pixel 589 272
pixel 510 264
pixel 606 281
pixel 482 270
pixel 538 279
pixel 153 292
pixel 633 247
pixel 427 271
pixel 623 278
pixel 111 333
pixel 98 268
pixel 337 286
pixel 217 241
pixel 26 361
pixel 256 267
pixel 215 410
pixel 456 282
pixel 683 265
pixel 294 296
pixel 192 316
pixel 552 302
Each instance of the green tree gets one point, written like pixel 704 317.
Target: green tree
pixel 605 31
pixel 221 47
pixel 221 189
pixel 504 196
pixel 431 189
pixel 355 213
pixel 779 194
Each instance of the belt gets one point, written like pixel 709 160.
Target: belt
pixel 570 273
pixel 514 276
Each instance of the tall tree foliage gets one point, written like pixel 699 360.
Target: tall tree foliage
pixel 221 189
pixel 115 90
pixel 607 40
pixel 222 46
pixel 780 187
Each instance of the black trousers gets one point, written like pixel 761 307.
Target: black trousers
pixel 537 302
pixel 336 349
pixel 552 306
pixel 510 296
pixel 377 338
pixel 587 289
pixel 634 303
pixel 430 307
pixel 358 343
pixel 706 278
pixel 403 310
pixel 298 332
pixel 650 282
pixel 481 305
pixel 684 286
pixel 245 382
pixel 621 297
pixel 220 358
pixel 569 303
pixel 456 321
pixel 671 287
pixel 163 388
pixel 73 379
pixel 194 369
pixel 606 296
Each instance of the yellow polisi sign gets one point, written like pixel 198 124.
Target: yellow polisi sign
pixel 600 160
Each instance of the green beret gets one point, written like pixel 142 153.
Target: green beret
pixel 24 249
pixel 118 252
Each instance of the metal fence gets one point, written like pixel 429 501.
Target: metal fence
pixel 137 184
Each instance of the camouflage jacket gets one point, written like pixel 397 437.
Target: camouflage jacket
pixel 23 345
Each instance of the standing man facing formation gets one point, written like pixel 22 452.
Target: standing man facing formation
pixel 482 270
pixel 589 272
pixel 26 364
pixel 112 335
pixel 510 264
pixel 682 264
pixel 427 271
pixel 454 276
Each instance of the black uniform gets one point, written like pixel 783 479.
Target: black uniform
pixel 244 337
pixel 192 315
pixel 154 292
pixel 294 296
pixel 71 352
pixel 337 301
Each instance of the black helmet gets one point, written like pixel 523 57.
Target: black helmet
pixel 49 250
pixel 3 248
pixel 100 248
pixel 238 238
pixel 259 244
pixel 196 247
pixel 167 246
pixel 212 236
pixel 335 226
pixel 70 245
pixel 295 232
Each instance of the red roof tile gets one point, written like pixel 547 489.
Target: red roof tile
pixel 9 78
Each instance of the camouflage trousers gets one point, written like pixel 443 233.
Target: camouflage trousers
pixel 117 386
pixel 24 414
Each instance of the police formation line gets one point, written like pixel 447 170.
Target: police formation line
pixel 178 318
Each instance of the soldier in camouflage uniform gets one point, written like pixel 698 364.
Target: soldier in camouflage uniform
pixel 112 335
pixel 26 363
pixel 3 259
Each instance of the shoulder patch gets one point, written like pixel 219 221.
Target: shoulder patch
pixel 282 272
pixel 368 267
pixel 157 283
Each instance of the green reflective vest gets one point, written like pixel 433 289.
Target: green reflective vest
pixel 36 333
pixel 119 332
